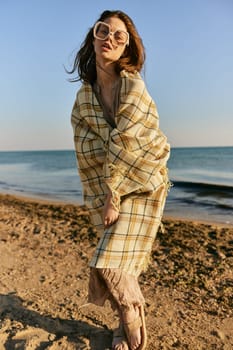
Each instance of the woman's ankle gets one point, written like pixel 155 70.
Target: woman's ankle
pixel 129 314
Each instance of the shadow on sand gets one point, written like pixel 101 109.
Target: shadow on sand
pixel 11 307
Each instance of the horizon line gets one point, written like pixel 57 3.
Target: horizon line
pixel 73 149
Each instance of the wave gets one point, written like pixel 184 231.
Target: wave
pixel 206 188
pixel 203 204
pixel 206 195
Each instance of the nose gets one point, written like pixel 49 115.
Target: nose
pixel 112 38
pixel 111 34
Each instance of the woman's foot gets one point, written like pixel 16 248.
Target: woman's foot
pixel 119 339
pixel 132 325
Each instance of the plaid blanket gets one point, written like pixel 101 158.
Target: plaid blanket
pixel 130 160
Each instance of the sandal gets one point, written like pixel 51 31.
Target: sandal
pixel 139 322
pixel 119 338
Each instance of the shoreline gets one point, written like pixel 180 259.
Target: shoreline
pixel 45 248
pixel 167 215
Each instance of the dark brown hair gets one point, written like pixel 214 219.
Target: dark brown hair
pixel 132 59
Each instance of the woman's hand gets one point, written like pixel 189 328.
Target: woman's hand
pixel 110 214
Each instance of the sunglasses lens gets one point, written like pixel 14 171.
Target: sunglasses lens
pixel 120 36
pixel 101 31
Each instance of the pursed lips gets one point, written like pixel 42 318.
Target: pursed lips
pixel 107 46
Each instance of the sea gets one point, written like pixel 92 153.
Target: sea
pixel 202 180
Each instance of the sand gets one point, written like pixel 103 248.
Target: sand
pixel 44 253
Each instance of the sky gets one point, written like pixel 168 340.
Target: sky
pixel 188 69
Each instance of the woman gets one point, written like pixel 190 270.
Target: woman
pixel 122 157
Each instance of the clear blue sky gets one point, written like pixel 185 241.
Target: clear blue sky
pixel 189 68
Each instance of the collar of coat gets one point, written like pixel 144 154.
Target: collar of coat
pixel 134 103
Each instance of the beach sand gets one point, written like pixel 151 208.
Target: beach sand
pixel 44 253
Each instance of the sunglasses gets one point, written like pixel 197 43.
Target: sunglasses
pixel 102 31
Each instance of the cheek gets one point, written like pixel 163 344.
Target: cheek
pixel 121 51
pixel 94 45
pixel 97 46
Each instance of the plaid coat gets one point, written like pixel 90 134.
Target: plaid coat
pixel 130 160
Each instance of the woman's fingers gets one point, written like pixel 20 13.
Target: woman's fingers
pixel 110 217
pixel 110 214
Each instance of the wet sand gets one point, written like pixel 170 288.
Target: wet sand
pixel 44 253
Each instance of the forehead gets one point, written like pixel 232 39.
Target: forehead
pixel 115 23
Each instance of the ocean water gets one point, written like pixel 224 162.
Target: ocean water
pixel 202 180
pixel 202 184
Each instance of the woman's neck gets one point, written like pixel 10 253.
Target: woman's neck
pixel 106 75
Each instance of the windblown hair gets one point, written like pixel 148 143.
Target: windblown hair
pixel 132 59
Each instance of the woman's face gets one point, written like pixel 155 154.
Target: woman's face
pixel 108 50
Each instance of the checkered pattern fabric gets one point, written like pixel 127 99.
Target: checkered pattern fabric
pixel 130 160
